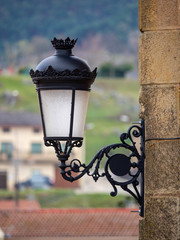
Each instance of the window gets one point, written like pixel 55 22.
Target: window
pixel 3 180
pixel 35 172
pixel 36 130
pixel 36 148
pixel 6 129
pixel 7 148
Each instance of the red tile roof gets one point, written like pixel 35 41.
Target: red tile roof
pixel 69 222
pixel 22 204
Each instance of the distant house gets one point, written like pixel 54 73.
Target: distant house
pixel 23 153
pixel 77 224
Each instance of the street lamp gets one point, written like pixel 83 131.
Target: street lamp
pixel 63 83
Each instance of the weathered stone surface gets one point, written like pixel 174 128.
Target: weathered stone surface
pixel 159 57
pixel 156 14
pixel 141 229
pixel 160 107
pixel 159 73
pixel 162 168
pixel 161 219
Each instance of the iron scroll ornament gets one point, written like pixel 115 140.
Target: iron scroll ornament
pixel 120 169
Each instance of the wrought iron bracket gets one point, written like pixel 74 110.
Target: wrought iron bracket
pixel 124 166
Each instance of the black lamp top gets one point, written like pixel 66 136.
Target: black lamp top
pixel 63 44
pixel 63 68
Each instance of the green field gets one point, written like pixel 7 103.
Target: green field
pixel 27 99
pixel 64 198
pixel 109 100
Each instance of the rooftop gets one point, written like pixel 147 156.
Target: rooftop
pixel 67 223
pixel 20 119
pixel 22 204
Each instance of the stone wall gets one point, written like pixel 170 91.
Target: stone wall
pixel 159 72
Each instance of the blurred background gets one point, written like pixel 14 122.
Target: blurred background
pixel 107 33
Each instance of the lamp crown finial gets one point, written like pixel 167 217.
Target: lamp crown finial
pixel 63 44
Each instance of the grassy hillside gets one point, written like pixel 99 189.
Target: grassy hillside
pixel 26 99
pixel 111 102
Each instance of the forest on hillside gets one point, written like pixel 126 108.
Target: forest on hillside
pixel 27 26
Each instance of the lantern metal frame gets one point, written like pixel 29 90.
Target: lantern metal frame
pixel 124 168
pixel 62 80
pixel 116 165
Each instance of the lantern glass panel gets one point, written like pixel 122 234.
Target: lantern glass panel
pixel 80 109
pixel 56 110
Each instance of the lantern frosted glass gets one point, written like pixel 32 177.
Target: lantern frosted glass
pixel 64 114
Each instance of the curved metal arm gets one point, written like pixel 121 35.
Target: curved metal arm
pixel 122 169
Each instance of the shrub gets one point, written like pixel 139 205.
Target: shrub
pixel 24 70
pixel 108 69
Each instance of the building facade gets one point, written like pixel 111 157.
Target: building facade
pixel 23 153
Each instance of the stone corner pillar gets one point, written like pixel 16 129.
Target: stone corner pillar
pixel 159 74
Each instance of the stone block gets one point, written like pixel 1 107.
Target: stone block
pixel 162 168
pixel 141 229
pixel 161 219
pixel 160 107
pixel 158 15
pixel 159 57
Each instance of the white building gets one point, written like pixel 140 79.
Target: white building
pixel 23 153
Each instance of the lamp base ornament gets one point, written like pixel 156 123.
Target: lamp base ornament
pixel 124 162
